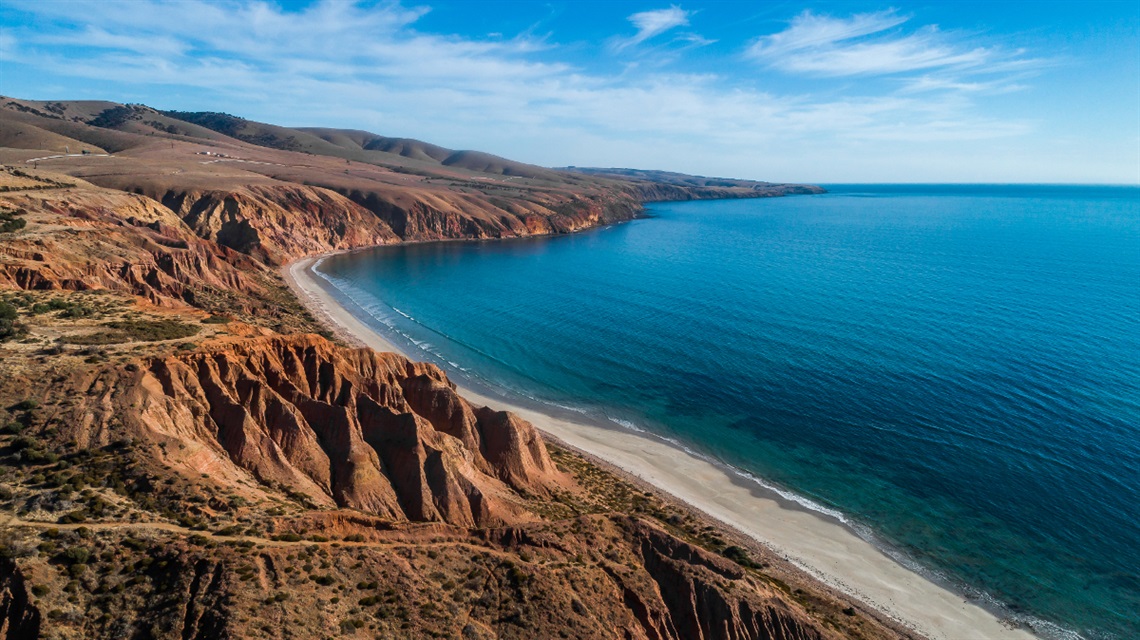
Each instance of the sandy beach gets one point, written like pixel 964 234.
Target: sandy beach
pixel 822 547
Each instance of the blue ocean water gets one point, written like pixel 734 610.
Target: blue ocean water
pixel 953 368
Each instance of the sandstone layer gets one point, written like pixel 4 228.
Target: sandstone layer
pixel 349 428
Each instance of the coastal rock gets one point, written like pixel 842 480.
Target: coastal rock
pixel 688 580
pixel 649 585
pixel 277 223
pixel 418 213
pixel 335 424
pixel 90 239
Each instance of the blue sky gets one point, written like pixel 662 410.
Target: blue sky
pixel 818 91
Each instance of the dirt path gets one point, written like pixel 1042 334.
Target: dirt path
pixel 70 155
pixel 10 520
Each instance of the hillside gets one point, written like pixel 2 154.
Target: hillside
pixel 185 453
pixel 419 190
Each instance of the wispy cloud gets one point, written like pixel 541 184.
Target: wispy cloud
pixel 936 83
pixel 654 23
pixel 809 32
pixel 864 44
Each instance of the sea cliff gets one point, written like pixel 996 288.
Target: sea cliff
pixel 184 455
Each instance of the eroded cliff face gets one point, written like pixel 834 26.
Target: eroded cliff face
pixel 693 603
pixel 589 578
pixel 88 239
pixel 450 520
pixel 423 215
pixel 346 428
pixel 285 486
pixel 277 223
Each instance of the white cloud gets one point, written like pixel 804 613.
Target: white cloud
pixel 653 23
pixel 864 44
pixel 808 32
pixel 937 83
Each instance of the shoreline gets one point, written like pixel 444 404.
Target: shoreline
pixel 823 547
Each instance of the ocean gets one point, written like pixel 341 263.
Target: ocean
pixel 953 370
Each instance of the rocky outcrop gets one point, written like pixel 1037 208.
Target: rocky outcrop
pixel 280 222
pixel 277 223
pixel 426 214
pixel 349 428
pixel 641 582
pixel 99 239
pixel 689 581
pixel 19 618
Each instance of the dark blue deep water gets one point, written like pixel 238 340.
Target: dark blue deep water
pixel 956 369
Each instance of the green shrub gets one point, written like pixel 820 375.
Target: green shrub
pixel 77 555
pixel 31 404
pixel 73 310
pixel 22 443
pixel 74 517
pixel 10 222
pixel 740 557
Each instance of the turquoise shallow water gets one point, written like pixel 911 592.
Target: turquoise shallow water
pixel 955 369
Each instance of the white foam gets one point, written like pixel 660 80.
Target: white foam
pixel 627 424
pixel 565 406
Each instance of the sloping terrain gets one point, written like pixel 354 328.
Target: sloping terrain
pixel 181 456
pixel 419 190
pixel 254 179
